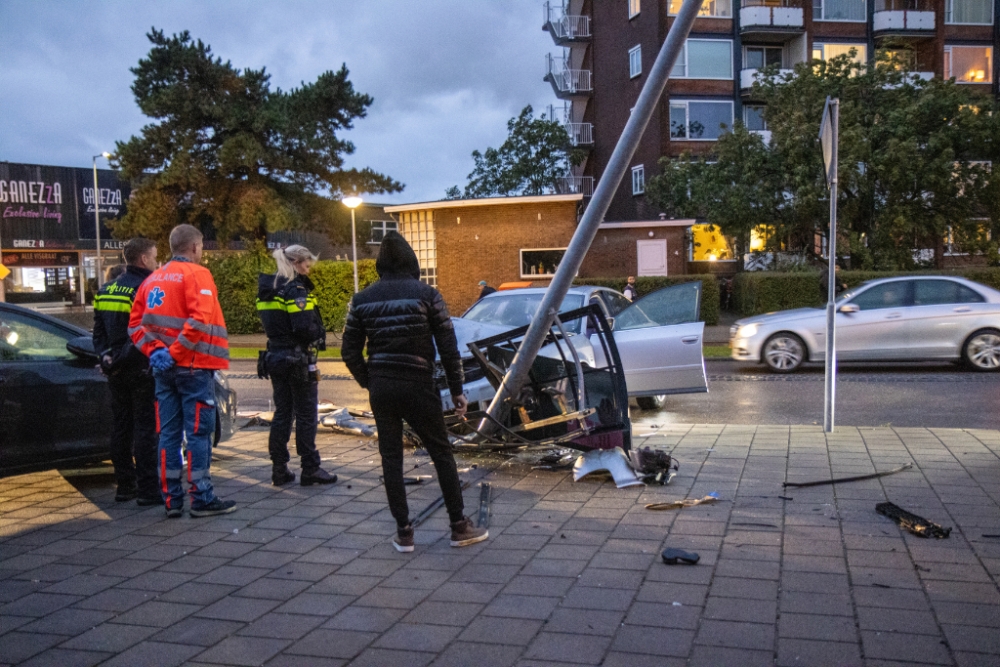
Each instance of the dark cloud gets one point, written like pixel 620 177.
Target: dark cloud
pixel 446 75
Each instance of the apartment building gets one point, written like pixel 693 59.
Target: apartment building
pixel 605 48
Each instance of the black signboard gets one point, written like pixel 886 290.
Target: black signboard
pixel 40 258
pixel 46 208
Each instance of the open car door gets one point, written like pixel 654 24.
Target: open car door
pixel 659 340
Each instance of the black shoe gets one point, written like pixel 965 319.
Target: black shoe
pixel 217 506
pixel 126 492
pixel 281 476
pixel 464 533
pixel 149 501
pixel 404 539
pixel 317 476
pixel 175 513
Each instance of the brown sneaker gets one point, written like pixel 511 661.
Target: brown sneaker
pixel 464 533
pixel 403 540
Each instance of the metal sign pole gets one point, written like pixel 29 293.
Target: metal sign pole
pixel 594 215
pixel 831 117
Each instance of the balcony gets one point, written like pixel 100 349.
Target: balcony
pixel 567 83
pixel 580 134
pixel 771 20
pixel 903 17
pixel 748 76
pixel 575 185
pixel 566 29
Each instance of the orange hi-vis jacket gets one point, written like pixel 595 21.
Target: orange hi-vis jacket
pixel 177 308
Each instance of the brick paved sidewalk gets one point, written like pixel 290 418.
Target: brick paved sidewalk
pixel 571 576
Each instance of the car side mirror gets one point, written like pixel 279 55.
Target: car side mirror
pixel 849 308
pixel 83 347
pixel 611 323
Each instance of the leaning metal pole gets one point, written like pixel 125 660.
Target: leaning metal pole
pixel 594 215
pixel 830 379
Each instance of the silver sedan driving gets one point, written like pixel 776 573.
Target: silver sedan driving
pixel 908 318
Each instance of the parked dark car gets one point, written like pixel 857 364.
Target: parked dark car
pixel 55 407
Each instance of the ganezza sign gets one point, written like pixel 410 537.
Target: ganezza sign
pixel 53 207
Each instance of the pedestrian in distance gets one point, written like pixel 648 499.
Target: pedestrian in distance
pixel 402 320
pixel 485 289
pixel 295 334
pixel 824 282
pixel 133 391
pixel 630 291
pixel 177 322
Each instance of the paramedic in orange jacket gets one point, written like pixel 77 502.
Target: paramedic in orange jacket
pixel 177 322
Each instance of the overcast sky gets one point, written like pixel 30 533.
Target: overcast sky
pixel 446 75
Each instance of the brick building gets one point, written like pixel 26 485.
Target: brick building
pixel 515 239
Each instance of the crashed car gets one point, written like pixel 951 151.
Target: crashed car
pixel 658 338
pixel 55 406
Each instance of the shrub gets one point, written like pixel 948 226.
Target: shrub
pixel 236 279
pixel 647 284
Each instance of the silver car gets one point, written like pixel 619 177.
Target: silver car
pixel 659 337
pixel 908 318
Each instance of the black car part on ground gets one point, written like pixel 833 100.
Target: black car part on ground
pixel 840 480
pixel 917 525
pixel 581 403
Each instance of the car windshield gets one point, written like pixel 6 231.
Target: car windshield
pixel 516 310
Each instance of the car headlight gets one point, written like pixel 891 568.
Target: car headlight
pixel 747 331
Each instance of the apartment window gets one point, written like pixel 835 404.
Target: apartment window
pixel 974 12
pixel 633 8
pixel 699 120
pixel 759 57
pixel 635 61
pixel 969 64
pixel 839 10
pixel 540 261
pixel 753 118
pixel 638 180
pixel 704 59
pixel 709 8
pixel 831 51
pixel 380 227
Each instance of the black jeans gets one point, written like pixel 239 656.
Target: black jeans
pixel 419 403
pixel 133 432
pixel 293 398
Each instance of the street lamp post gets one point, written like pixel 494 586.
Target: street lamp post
pixel 352 203
pixel 97 222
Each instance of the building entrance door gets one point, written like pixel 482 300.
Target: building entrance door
pixel 652 257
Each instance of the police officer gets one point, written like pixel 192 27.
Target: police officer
pixel 295 333
pixel 133 391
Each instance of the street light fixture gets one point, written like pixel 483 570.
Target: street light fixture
pixel 352 203
pixel 97 222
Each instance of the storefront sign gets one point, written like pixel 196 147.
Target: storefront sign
pixel 40 259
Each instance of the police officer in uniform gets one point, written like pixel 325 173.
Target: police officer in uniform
pixel 133 390
pixel 295 333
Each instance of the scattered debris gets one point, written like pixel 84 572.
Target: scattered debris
pixel 786 498
pixel 613 461
pixel 341 421
pixel 754 525
pixel 411 481
pixel 485 496
pixel 653 466
pixel 856 478
pixel 991 537
pixel 687 502
pixel 433 507
pixel 562 459
pixel 675 556
pixel 917 525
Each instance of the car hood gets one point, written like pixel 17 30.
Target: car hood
pixel 469 331
pixel 783 316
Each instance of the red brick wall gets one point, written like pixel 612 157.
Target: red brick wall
pixel 613 253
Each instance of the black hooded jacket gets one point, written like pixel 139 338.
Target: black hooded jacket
pixel 401 319
pixel 289 313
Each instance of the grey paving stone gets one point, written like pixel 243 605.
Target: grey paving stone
pixel 157 581
pixel 521 606
pixel 154 654
pixel 372 619
pixel 751 636
pixel 233 608
pixel 585 621
pixel 38 604
pixel 718 656
pixel 417 637
pixel 273 589
pixel 231 575
pixel 319 605
pixel 116 599
pixel 197 631
pixel 653 641
pixel 18 646
pixel 250 651
pixel 398 598
pixel 800 652
pixel 573 648
pixel 508 631
pixel 59 657
pixel 685 617
pixel 381 657
pixel 286 660
pixel 443 613
pixel 332 643
pixel 282 626
pixel 897 646
pixel 812 626
pixel 977 639
pixel 463 654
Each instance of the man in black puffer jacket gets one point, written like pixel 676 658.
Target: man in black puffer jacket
pixel 402 319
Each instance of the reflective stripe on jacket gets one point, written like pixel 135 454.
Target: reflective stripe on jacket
pixel 177 308
pixel 289 312
pixel 112 309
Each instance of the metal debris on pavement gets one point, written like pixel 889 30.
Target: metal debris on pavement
pixel 341 421
pixel 908 521
pixel 612 461
pixel 687 502
pixel 653 466
pixel 856 478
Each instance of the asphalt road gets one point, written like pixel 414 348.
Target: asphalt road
pixel 900 395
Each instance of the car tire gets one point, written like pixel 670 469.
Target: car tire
pixel 651 402
pixel 981 351
pixel 783 352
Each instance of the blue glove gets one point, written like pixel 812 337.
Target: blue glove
pixel 161 359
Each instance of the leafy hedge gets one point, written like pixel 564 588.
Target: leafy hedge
pixel 756 292
pixel 236 279
pixel 647 284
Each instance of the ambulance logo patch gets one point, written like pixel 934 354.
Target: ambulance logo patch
pixel 155 298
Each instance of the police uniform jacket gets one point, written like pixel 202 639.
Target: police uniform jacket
pixel 289 313
pixel 112 306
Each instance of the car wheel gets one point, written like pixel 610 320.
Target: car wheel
pixel 651 402
pixel 783 352
pixel 982 350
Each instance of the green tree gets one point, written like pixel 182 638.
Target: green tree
pixel 908 163
pixel 227 152
pixel 536 153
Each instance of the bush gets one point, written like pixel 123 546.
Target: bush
pixel 647 284
pixel 756 292
pixel 236 279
